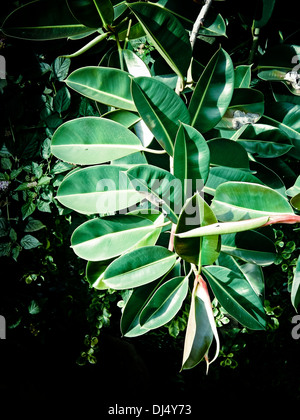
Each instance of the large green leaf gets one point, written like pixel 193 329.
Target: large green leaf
pixel 103 84
pixel 138 267
pixel 102 189
pixel 159 187
pixel 201 328
pixel 130 320
pixel 167 35
pixel 165 303
pixel 92 140
pixel 213 92
pixel 199 251
pixel 242 76
pixel 220 174
pixel 103 239
pixel 226 152
pixel 242 200
pixel 286 117
pixel 161 109
pixel 252 272
pixel 94 273
pixel 250 246
pixel 130 325
pixel 264 141
pixel 191 159
pixel 92 13
pixel 40 20
pixel 236 296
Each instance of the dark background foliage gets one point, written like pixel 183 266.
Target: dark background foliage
pixel 51 312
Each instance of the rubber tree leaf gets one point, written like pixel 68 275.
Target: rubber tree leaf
pixel 295 189
pixel 264 141
pixel 100 189
pixel 130 325
pixel 250 246
pixel 242 76
pixel 295 292
pixel 165 303
pixel 252 273
pixel 295 201
pixel 94 273
pixel 191 159
pixel 226 152
pixel 138 267
pixel 39 20
pixel 242 200
pixel 93 140
pixel 105 238
pixel 220 174
pixel 166 33
pixel 266 13
pixel 196 250
pixel 286 117
pixel 160 108
pixel 236 296
pixel 92 13
pixel 159 187
pixel 135 65
pixel 103 84
pixel 246 107
pixel 201 328
pixel 213 92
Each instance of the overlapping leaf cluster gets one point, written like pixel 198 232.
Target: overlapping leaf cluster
pixel 173 177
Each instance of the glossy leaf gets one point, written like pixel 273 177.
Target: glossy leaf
pixel 130 325
pixel 39 20
pixel 196 250
pixel 252 272
pixel 161 109
pixel 250 246
pixel 201 328
pixel 220 174
pixel 295 189
pixel 267 177
pixel 105 238
pixel 242 76
pixel 159 187
pixel 225 152
pixel 166 34
pixel 94 273
pixel 138 267
pixel 102 189
pixel 242 200
pixel 286 117
pixel 295 292
pixel 92 140
pixel 103 84
pixel 191 159
pixel 236 296
pixel 165 303
pixel 135 65
pixel 213 92
pixel 264 141
pixel 295 201
pixel 92 13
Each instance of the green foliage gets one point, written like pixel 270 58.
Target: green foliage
pixel 176 164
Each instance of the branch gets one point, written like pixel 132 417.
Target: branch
pixel 199 21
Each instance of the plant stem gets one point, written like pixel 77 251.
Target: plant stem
pixel 256 32
pixel 120 51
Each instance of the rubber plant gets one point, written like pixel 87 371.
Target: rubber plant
pixel 177 201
